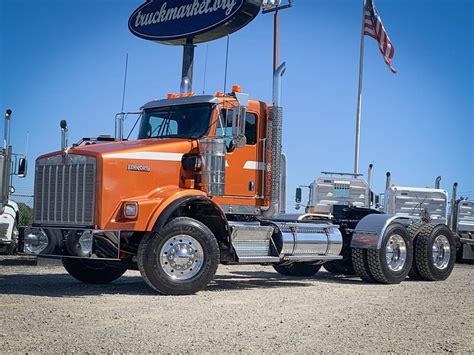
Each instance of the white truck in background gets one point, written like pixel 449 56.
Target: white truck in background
pixel 9 211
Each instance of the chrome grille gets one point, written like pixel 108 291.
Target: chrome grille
pixel 65 190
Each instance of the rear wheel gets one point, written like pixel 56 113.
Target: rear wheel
pixel 297 269
pixel 413 230
pixel 435 252
pixel 93 271
pixel 392 262
pixel 179 260
pixel 361 265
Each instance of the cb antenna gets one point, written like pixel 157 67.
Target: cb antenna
pixel 124 81
pixel 226 64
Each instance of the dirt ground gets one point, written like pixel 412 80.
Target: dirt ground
pixel 246 309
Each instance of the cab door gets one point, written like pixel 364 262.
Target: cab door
pixel 243 166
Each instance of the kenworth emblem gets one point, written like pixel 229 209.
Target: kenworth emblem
pixel 180 21
pixel 143 168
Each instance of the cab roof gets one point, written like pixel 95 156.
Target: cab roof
pixel 186 100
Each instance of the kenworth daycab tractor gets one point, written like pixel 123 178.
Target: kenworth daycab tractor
pixel 202 185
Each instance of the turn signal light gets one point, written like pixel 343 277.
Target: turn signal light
pixel 130 210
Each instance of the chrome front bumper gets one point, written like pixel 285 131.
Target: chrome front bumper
pixel 76 243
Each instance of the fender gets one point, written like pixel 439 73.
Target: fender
pixel 370 230
pixel 7 220
pixel 171 208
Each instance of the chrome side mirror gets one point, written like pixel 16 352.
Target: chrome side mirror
pixel 22 167
pixel 238 120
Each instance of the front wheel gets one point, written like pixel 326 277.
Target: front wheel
pixel 297 269
pixel 93 271
pixel 179 260
pixel 392 262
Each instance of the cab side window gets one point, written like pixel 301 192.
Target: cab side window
pixel 225 127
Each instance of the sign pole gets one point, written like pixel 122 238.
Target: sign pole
pixel 187 69
pixel 359 96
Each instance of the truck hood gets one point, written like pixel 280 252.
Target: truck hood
pixel 137 149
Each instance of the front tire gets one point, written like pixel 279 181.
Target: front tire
pixel 92 271
pixel 392 262
pixel 181 259
pixel 435 252
pixel 297 269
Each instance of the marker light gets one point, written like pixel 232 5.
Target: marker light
pixel 236 88
pixel 130 210
pixel 171 96
pixel 219 94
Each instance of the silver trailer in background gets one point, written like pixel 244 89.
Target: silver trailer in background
pixel 417 202
pixel 461 221
pixel 334 188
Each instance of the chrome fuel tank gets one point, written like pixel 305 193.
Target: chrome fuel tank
pixel 305 241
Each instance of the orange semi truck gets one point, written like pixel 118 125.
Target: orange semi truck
pixel 202 185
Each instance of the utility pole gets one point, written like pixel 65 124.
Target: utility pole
pixel 275 7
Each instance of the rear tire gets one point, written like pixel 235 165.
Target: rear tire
pixel 181 259
pixel 392 262
pixel 297 269
pixel 413 230
pixel 361 265
pixel 92 271
pixel 435 252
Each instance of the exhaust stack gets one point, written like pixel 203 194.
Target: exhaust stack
pixel 6 138
pixel 274 131
pixel 438 182
pixel 369 184
pixel 388 183
pixel 64 134
pixel 453 216
pixel 5 163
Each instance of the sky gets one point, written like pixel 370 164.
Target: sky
pixel 65 60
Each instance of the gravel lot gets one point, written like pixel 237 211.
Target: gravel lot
pixel 246 309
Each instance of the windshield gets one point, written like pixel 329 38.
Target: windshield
pixel 185 121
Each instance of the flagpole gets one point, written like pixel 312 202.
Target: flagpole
pixel 359 96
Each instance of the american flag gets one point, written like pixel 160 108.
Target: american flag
pixel 373 27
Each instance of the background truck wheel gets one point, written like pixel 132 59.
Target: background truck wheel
pixel 413 230
pixel 361 265
pixel 179 260
pixel 340 267
pixel 297 269
pixel 93 271
pixel 392 262
pixel 435 252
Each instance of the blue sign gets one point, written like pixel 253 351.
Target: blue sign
pixel 184 21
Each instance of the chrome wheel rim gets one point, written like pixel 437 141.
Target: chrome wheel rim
pixel 396 252
pixel 181 257
pixel 441 252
